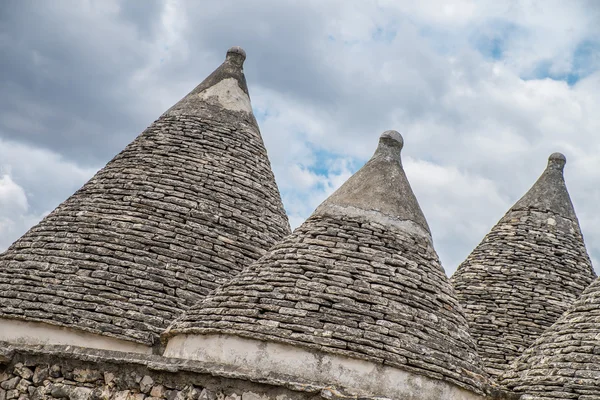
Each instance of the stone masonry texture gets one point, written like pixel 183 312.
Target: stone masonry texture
pixel 357 284
pixel 525 273
pixel 59 372
pixel 564 363
pixel 65 372
pixel 182 209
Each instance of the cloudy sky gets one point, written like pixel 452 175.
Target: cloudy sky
pixel 482 91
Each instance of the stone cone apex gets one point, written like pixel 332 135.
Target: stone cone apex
pixel 181 210
pixel 223 90
pixel 549 193
pixel 526 272
pixel 563 361
pixel 358 287
pixel 380 189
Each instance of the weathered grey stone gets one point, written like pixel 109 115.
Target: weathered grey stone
pixel 108 378
pixel 181 210
pixel 564 362
pixel 391 277
pixel 207 395
pixel 146 384
pixel 59 391
pixel 158 391
pixel 40 373
pixel 526 272
pixel 23 385
pixel 86 375
pixel 80 393
pixel 23 371
pixel 11 383
pixel 55 371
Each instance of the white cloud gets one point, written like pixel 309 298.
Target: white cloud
pixel 12 196
pixel 458 80
pixel 14 211
pixel 33 182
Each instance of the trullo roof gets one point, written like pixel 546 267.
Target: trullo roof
pixel 360 278
pixel 182 209
pixel 526 272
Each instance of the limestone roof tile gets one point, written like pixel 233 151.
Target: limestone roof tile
pixel 526 271
pixel 564 362
pixel 179 211
pixel 360 278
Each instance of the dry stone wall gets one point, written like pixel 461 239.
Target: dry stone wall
pixel 59 372
pixel 564 363
pixel 525 273
pixel 187 205
pixel 182 209
pixel 350 287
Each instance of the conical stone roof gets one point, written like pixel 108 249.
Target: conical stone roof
pixel 564 363
pixel 526 272
pixel 358 282
pixel 188 203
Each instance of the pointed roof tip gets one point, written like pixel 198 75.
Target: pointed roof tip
pixel 224 88
pixel 236 53
pixel 549 192
pixel 380 190
pixel 557 161
pixel 391 143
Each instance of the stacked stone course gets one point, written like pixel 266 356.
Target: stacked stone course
pixel 359 279
pixel 349 287
pixel 564 362
pixel 177 213
pixel 188 222
pixel 59 372
pixel 525 273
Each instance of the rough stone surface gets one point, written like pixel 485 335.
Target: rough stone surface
pixel 359 278
pixel 564 363
pixel 526 272
pixel 117 375
pixel 183 208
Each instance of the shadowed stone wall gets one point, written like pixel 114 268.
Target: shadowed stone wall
pixel 60 372
pixel 64 372
pixel 360 281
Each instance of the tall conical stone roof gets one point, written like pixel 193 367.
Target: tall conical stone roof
pixel 356 297
pixel 564 363
pixel 526 272
pixel 181 210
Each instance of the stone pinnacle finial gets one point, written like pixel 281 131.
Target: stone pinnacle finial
pixel 390 144
pixel 236 55
pixel 549 193
pixel 557 161
pixel 380 189
pixel 224 89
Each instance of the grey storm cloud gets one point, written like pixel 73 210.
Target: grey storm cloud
pixel 64 78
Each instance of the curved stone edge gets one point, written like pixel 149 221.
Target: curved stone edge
pixel 380 190
pixel 258 359
pixel 12 353
pixel 55 325
pixel 123 373
pixel 549 192
pixel 41 333
pixel 460 373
